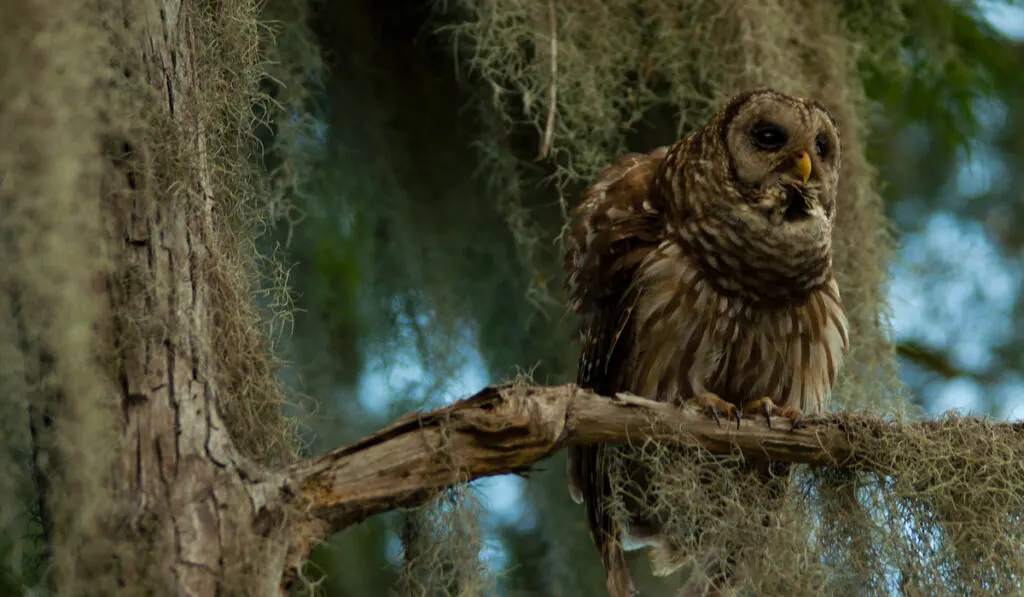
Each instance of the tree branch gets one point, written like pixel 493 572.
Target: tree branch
pixel 939 363
pixel 508 429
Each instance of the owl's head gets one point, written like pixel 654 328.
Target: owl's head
pixel 759 182
pixel 784 155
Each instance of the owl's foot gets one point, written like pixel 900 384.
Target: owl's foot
pixel 766 407
pixel 716 407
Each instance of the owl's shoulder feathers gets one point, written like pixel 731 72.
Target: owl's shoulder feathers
pixel 616 225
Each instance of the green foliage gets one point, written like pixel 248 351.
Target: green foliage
pixel 949 61
pixel 954 98
pixel 951 56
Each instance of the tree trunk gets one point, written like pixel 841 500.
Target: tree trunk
pixel 212 519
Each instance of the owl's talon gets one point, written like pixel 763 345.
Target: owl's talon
pixel 768 408
pixel 715 406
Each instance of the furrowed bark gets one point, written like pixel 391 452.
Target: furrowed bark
pixel 209 521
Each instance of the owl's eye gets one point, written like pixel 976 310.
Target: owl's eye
pixel 822 146
pixel 767 136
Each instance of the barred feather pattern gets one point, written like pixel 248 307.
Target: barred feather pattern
pixel 677 296
pixel 696 339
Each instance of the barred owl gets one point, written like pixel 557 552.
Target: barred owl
pixel 702 272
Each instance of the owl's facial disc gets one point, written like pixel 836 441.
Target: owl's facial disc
pixel 774 158
pixel 784 164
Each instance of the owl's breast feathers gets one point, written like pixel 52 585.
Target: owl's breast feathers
pixel 691 338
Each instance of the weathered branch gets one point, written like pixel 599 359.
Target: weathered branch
pixel 507 429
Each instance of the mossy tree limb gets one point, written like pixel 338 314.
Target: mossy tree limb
pixel 508 429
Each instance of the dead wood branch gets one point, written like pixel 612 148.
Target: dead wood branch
pixel 508 429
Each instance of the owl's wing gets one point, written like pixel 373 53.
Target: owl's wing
pixel 617 226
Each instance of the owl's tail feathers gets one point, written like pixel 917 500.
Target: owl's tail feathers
pixel 616 570
pixel 588 483
pixel 574 472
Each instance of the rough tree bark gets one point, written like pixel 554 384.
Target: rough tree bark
pixel 194 497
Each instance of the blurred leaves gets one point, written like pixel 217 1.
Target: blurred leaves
pixel 947 139
pixel 951 60
pixel 953 56
pixel 936 361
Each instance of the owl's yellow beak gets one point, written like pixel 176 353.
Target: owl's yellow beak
pixel 802 166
